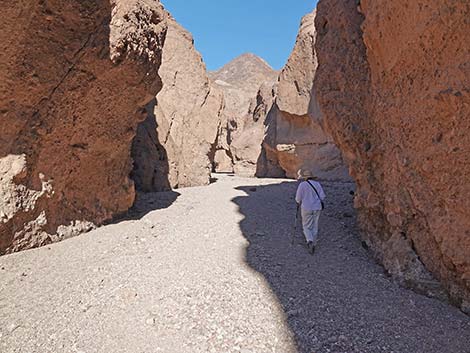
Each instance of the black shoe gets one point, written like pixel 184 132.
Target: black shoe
pixel 311 247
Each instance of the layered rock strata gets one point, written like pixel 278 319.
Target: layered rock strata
pixel 74 78
pixel 173 146
pixel 393 85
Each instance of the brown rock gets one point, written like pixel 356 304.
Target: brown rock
pixel 266 139
pixel 246 145
pixel 241 131
pixel 73 77
pixel 295 136
pixel 173 144
pixel 393 85
pixel 222 160
pixel 296 78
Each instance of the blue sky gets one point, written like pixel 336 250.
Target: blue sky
pixel 224 29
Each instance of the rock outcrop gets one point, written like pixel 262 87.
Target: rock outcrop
pixel 295 137
pixel 245 81
pixel 74 78
pixel 393 85
pixel 174 144
pixel 247 139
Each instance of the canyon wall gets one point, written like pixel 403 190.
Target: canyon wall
pixel 74 78
pixel 173 145
pixel 295 137
pixel 393 86
pixel 271 126
pixel 241 131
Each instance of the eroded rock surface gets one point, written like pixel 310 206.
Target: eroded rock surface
pixel 173 145
pixel 394 86
pixel 246 82
pixel 295 137
pixel 74 76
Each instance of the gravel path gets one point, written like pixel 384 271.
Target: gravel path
pixel 211 269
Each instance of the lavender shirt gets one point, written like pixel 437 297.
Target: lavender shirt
pixel 307 197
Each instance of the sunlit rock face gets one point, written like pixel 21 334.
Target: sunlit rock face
pixel 74 79
pixel 174 145
pixel 295 137
pixel 393 88
pixel 246 82
pixel 271 126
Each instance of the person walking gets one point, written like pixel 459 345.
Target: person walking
pixel 309 198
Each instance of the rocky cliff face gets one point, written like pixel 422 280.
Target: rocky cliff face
pixel 173 144
pixel 393 85
pixel 295 137
pixel 74 76
pixel 242 128
pixel 270 126
pixel 247 141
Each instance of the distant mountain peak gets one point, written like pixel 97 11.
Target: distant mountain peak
pixel 243 69
pixel 250 57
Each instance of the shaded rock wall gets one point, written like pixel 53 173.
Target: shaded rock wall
pixel 74 76
pixel 295 137
pixel 151 168
pixel 394 88
pixel 173 146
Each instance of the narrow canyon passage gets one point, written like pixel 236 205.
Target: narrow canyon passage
pixel 212 269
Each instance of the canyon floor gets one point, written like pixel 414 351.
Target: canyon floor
pixel 212 269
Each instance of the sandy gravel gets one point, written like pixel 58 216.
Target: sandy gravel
pixel 211 269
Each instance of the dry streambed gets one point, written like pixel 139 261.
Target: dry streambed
pixel 211 269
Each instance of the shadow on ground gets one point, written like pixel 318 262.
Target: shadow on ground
pixel 150 201
pixel 339 300
pixel 147 202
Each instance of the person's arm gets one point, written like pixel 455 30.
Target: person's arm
pixel 298 195
pixel 322 193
